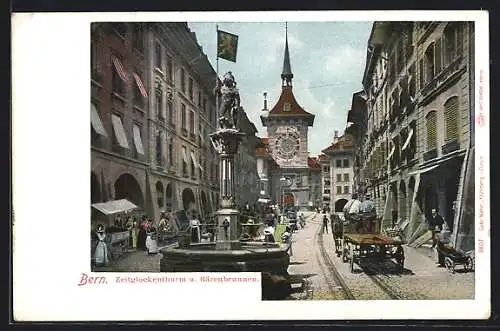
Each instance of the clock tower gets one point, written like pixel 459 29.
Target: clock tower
pixel 287 126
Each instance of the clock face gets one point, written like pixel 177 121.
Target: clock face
pixel 287 144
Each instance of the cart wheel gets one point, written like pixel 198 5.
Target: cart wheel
pixel 449 264
pixel 469 264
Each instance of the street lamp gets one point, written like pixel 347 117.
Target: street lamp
pixel 282 187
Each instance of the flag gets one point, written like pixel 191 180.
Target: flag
pixel 227 45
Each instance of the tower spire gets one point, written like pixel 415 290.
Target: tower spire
pixel 286 75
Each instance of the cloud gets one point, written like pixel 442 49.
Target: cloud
pixel 344 60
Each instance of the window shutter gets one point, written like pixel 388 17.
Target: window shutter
pixel 451 119
pixel 431 131
pixel 421 73
pixel 438 55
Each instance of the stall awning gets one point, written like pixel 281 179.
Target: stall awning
pixel 391 153
pixel 423 170
pixel 119 131
pixel 196 164
pixel 138 140
pixel 119 69
pixel 114 206
pixel 407 142
pixel 140 85
pixel 96 121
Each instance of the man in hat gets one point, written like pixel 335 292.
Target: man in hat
pixel 369 213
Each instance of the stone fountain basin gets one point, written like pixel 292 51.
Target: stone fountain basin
pixel 248 257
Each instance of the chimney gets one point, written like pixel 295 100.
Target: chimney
pixel 336 137
pixel 265 102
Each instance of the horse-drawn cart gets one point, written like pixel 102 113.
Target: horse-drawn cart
pixel 358 246
pixel 362 237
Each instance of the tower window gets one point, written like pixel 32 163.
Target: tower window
pixel 287 107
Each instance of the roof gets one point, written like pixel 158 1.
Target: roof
pixel 295 109
pixel 262 147
pixel 313 164
pixel 342 143
pixel 323 158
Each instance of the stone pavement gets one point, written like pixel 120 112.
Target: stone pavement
pixel 421 279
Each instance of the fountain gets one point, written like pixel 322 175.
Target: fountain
pixel 229 253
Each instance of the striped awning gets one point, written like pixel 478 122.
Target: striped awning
pixel 96 121
pixel 140 85
pixel 115 206
pixel 407 142
pixel 120 70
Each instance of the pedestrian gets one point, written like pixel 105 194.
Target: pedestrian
pixel 141 237
pixel 325 223
pixel 436 222
pixel 101 257
pixel 195 229
pixel 151 239
pixel 134 231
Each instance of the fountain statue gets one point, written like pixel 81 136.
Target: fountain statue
pixel 230 253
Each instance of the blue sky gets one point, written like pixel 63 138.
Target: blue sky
pixel 327 60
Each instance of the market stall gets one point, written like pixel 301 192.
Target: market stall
pixel 119 236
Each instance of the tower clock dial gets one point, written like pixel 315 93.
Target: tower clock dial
pixel 287 143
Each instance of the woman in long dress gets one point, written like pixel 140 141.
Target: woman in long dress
pixel 151 241
pixel 101 251
pixel 134 232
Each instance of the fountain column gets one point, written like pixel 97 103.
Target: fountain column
pixel 226 142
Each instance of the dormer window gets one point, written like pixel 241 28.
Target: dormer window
pixel 287 107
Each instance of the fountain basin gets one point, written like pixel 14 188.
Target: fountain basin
pixel 248 257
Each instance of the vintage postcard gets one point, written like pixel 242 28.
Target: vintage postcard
pixel 311 163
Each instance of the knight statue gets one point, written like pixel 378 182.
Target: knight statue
pixel 230 102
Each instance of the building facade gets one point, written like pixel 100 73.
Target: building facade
pixel 119 115
pixel 339 172
pixel 419 104
pixel 245 161
pixel 267 170
pixel 287 126
pixel 315 182
pixel 152 90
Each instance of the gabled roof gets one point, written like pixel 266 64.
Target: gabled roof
pixel 343 142
pixel 295 109
pixel 313 164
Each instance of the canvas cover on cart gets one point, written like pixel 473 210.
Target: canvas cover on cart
pixel 114 206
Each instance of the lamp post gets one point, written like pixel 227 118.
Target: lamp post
pixel 282 188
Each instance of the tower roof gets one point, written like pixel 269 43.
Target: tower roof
pixel 287 74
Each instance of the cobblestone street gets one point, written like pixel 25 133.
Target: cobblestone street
pixel 421 279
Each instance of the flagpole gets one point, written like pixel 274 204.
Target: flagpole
pixel 217 72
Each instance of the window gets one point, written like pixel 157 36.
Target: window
pixel 452 42
pixel 451 119
pixel 158 56
pixel 326 169
pixel 339 177
pixel 159 151
pixel 191 123
pixel 170 69
pixel 346 177
pixel 429 63
pixel 170 152
pixel 183 81
pixel 184 161
pixel 338 163
pixel 346 189
pixel 159 112
pixel 170 110
pixel 138 42
pixel 191 89
pixel 117 82
pixel 339 189
pixel 139 97
pixel 193 167
pixel 346 163
pixel 183 116
pixel 93 57
pixel 287 107
pixel 430 123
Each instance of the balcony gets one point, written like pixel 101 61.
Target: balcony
pixel 429 155
pixel 450 146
